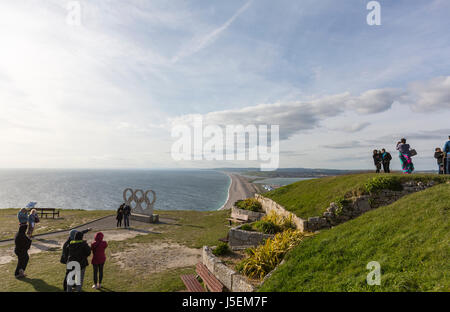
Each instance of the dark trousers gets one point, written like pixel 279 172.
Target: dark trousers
pixel 119 222
pixel 98 270
pixel 126 221
pixel 22 263
pixel 386 167
pixel 378 166
pixel 65 280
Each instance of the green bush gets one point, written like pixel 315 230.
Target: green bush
pixel 249 204
pixel 247 227
pixel 375 184
pixel 221 250
pixel 267 227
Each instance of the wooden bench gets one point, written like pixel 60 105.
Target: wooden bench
pixel 193 285
pixel 238 218
pixel 46 211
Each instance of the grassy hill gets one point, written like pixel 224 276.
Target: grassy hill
pixel 409 238
pixel 311 198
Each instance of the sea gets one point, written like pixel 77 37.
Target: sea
pixel 90 189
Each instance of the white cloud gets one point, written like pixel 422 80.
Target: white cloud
pixel 433 95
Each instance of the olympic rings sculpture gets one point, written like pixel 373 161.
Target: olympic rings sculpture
pixel 140 197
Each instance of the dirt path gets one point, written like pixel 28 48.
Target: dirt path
pixel 54 241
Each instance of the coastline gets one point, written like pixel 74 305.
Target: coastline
pixel 240 188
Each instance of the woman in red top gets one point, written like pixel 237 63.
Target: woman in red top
pixel 98 260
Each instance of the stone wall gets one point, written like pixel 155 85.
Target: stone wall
pixel 351 208
pixel 232 280
pixel 239 239
pixel 355 206
pixel 269 205
pixel 252 215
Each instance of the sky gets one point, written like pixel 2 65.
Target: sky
pixel 107 93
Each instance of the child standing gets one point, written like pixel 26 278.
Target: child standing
pixel 98 259
pixel 32 220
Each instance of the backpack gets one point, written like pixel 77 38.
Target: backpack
pixel 36 219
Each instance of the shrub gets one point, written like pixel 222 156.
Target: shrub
pixel 264 258
pixel 247 227
pixel 249 204
pixel 221 250
pixel 267 227
pixel 383 183
pixel 282 222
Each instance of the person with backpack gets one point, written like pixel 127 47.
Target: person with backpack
pixel 119 216
pixel 386 159
pixel 446 151
pixel 22 244
pixel 439 155
pixel 126 216
pixel 79 251
pixel 98 259
pixel 377 160
pixel 32 220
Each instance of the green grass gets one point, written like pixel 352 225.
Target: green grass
pixel 311 198
pixel 69 218
pixel 191 228
pixel 409 238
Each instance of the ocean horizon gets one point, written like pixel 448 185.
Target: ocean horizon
pixel 102 189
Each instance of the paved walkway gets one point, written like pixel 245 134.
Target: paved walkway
pixel 103 224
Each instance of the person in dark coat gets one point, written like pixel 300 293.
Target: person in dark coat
pixel 79 251
pixel 377 159
pixel 126 216
pixel 98 259
pixel 23 243
pixel 119 216
pixel 65 252
pixel 439 155
pixel 386 159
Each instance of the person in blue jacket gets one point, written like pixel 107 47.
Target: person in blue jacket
pixel 446 151
pixel 23 216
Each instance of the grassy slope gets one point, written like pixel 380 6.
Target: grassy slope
pixel 311 198
pixel 410 239
pixel 192 228
pixel 68 219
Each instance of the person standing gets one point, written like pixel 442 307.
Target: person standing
pixel 404 155
pixel 32 220
pixel 439 155
pixel 22 215
pixel 79 251
pixel 22 244
pixel 386 157
pixel 377 160
pixel 98 259
pixel 126 216
pixel 119 216
pixel 446 151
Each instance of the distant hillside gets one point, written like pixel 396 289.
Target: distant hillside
pixel 410 239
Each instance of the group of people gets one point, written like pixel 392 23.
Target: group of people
pixel 74 249
pixel 29 219
pixel 405 154
pixel 23 238
pixel 124 213
pixel 78 250
pixel 382 158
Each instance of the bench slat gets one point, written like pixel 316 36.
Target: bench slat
pixel 191 283
pixel 212 283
